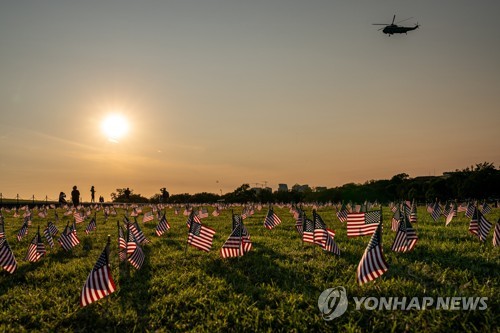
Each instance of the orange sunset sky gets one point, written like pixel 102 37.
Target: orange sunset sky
pixel 214 94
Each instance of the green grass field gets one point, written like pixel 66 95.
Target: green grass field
pixel 275 287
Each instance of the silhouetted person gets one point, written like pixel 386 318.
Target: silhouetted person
pixel 127 194
pixel 101 199
pixel 92 194
pixel 164 194
pixel 75 196
pixel 62 198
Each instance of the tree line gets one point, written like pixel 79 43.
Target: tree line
pixel 480 181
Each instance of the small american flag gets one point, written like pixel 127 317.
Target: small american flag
pixel 135 255
pixel 2 229
pixel 470 210
pixel 68 238
pixel 238 243
pixel 48 236
pixel 486 208
pixel 308 230
pixel 496 234
pixel 372 264
pixel 299 222
pixel 200 236
pixel 362 224
pixel 323 236
pixel 23 231
pixel 413 212
pixel 271 220
pixel 148 217
pixel 192 218
pixel 7 260
pixel 36 249
pixel 122 244
pixel 52 228
pixel 406 237
pixel 203 213
pixel 79 217
pixel 138 234
pixel 92 226
pixel 484 226
pixel 342 213
pixel 162 226
pixel 396 217
pixel 436 211
pixel 99 283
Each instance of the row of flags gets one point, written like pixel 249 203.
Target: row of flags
pixel 371 266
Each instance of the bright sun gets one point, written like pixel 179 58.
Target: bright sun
pixel 114 126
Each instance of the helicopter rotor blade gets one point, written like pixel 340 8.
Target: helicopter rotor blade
pixel 404 20
pixel 380 24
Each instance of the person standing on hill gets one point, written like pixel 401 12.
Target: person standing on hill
pixel 92 194
pixel 127 194
pixel 75 196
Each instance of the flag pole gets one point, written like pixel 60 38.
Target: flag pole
pixel 190 228
pixel 241 238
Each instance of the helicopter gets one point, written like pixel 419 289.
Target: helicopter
pixel 393 28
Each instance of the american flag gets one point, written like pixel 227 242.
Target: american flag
pixel 238 243
pixel 299 222
pixel 200 236
pixel 308 230
pixel 436 211
pixel 203 213
pixel 7 260
pixel 496 234
pixel 68 238
pixel 36 249
pixel 413 212
pixel 323 236
pixel 486 208
pixel 92 226
pixel 134 212
pixel 449 216
pixel 2 229
pixel 272 220
pixel 79 217
pixel 99 283
pixel 23 231
pixel 135 255
pixel 362 224
pixel 138 234
pixel 473 225
pixel 470 210
pixel 48 236
pixel 192 218
pixel 320 234
pixel 43 214
pixel 162 226
pixel 342 213
pixel 484 226
pixel 122 243
pixel 52 228
pixel 396 217
pixel 148 217
pixel 372 264
pixel 406 237
pixel 216 212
